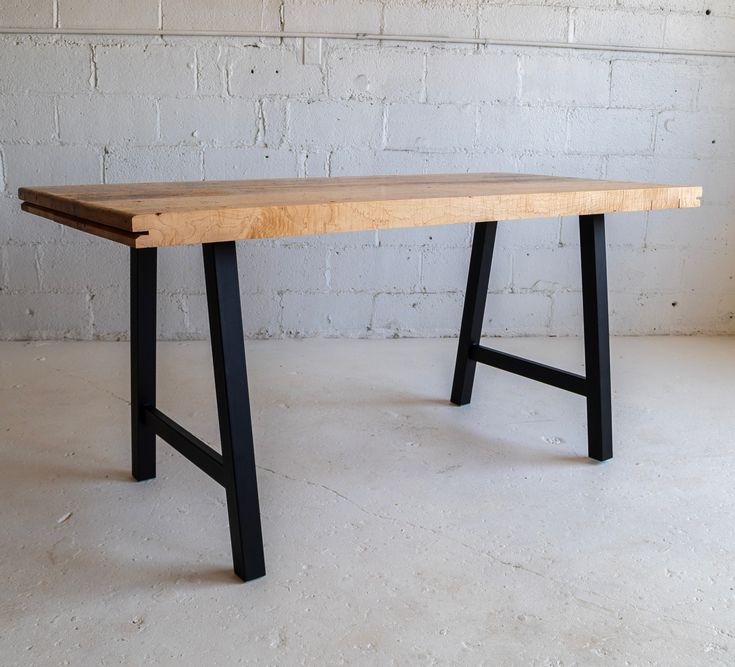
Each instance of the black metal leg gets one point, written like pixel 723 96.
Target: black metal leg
pixel 474 310
pixel 233 406
pixel 596 336
pixel 142 359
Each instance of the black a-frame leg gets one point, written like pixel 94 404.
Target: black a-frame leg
pixel 596 336
pixel 142 360
pixel 234 468
pixel 474 310
pixel 233 407
pixel 595 385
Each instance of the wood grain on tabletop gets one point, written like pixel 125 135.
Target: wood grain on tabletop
pixel 163 214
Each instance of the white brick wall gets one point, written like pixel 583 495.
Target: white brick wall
pixel 79 109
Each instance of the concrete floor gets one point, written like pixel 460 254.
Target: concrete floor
pixel 399 530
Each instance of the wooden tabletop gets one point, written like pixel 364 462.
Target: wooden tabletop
pixel 145 215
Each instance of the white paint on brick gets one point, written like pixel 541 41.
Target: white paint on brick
pixel 689 31
pixel 522 129
pixel 107 119
pixel 457 18
pixel 40 164
pixel 687 133
pixel 655 84
pixel 610 131
pixel 234 163
pixel 259 71
pixel 104 13
pixel 430 127
pixel 627 28
pixel 209 120
pixel 471 77
pixel 27 117
pixel 42 66
pixel 27 13
pixel 377 74
pixel 146 69
pixel 334 124
pixel 576 81
pixel 153 163
pixel 321 314
pixel 332 16
pixel 526 22
pixel 229 15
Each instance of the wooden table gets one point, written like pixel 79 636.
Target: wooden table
pixel 215 214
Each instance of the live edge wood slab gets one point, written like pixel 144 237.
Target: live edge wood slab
pixel 149 215
pixel 218 213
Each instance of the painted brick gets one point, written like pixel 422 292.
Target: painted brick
pixel 656 268
pixel 546 269
pixel 257 71
pixel 357 162
pixel 438 237
pixel 21 268
pixel 528 234
pixel 277 268
pixel 333 314
pixel 153 163
pixel 234 163
pixel 50 165
pixel 43 316
pixel 27 14
pixel 217 15
pixel 27 118
pixel 332 16
pixel 687 31
pixel 654 85
pixel 517 314
pixel 608 131
pixel 523 22
pixel 559 164
pixel 487 160
pixel 717 86
pixel 211 69
pixel 273 114
pixel 605 26
pixel 445 269
pixel 372 269
pixel 430 127
pixel 102 119
pixel 43 68
pixel 695 134
pixel 106 13
pixel 152 69
pixel 416 17
pixel 546 79
pixel 566 314
pixel 208 120
pixel 333 124
pixel 183 316
pixel 377 74
pixel 17 227
pixel 711 226
pixel 521 129
pixel 471 77
pixel 407 314
pixel 61 270
pixel 181 269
